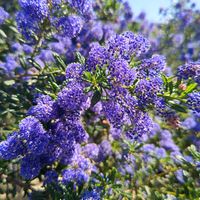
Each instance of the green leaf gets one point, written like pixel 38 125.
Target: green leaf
pixel 14 29
pixel 80 58
pixel 60 61
pixel 178 82
pixel 112 174
pixel 192 149
pixel 189 89
pixel 55 86
pixel 35 64
pixel 51 39
pixel 171 87
pixel 88 89
pixel 179 108
pixel 15 98
pixel 96 98
pixel 9 82
pixel 2 34
pixel 87 76
pixel 23 62
pixel 164 78
pixel 50 94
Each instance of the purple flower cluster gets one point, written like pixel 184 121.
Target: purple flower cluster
pixel 151 67
pixel 122 106
pixel 74 32
pixel 50 177
pixel 30 16
pixel 127 45
pixel 3 15
pixel 193 102
pixel 37 9
pixel 44 110
pixel 70 26
pixel 146 91
pixel 37 146
pixel 157 146
pixel 92 195
pixel 11 148
pixel 57 131
pixel 151 150
pixel 35 17
pixel 83 7
pixel 9 65
pixel 189 70
pixel 72 98
pixel 82 164
pixel 167 142
pixel 179 176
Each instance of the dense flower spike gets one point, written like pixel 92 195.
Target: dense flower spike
pixel 44 110
pixel 30 16
pixel 37 9
pixel 146 91
pixel 51 177
pixel 151 67
pixel 122 74
pixel 36 17
pixel 91 151
pixel 167 142
pixel 98 57
pixel 72 98
pixel 26 25
pixel 79 170
pixel 70 26
pixel 30 166
pixel 128 11
pixel 104 150
pixel 114 113
pixel 34 135
pixel 142 126
pixel 9 65
pixel 137 43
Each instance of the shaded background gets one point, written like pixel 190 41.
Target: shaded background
pixel 151 7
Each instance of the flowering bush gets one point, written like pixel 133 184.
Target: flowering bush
pixel 88 110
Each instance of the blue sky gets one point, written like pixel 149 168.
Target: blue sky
pixel 151 7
